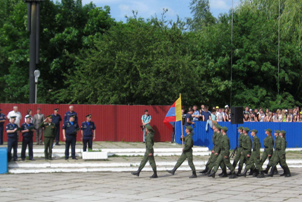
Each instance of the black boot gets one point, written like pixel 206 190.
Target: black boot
pixel 212 174
pixel 172 171
pixel 194 175
pixel 251 172
pixel 243 174
pixel 229 173
pixel 261 175
pixel 154 175
pixel 255 173
pixel 271 173
pixel 239 172
pixel 205 170
pixel 137 173
pixel 266 170
pixel 287 171
pixel 224 174
pixel 283 174
pixel 208 172
pixel 276 171
pixel 233 175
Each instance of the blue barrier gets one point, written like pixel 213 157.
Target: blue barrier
pixel 204 138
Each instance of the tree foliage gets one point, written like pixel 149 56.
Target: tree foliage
pixel 87 57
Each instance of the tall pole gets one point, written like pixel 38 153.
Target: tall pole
pixel 279 50
pixel 32 52
pixel 33 26
pixel 181 125
pixel 231 52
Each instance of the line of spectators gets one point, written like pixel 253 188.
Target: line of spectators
pixel 249 115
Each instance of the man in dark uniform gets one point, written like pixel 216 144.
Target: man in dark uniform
pixel 2 121
pixel 12 142
pixel 27 130
pixel 70 113
pixel 88 132
pixel 49 136
pixel 149 153
pixel 56 119
pixel 69 130
pixel 187 152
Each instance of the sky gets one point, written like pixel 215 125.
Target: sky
pixel 148 8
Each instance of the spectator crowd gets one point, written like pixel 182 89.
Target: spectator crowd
pixel 249 115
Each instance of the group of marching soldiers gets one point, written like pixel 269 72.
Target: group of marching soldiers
pixel 247 153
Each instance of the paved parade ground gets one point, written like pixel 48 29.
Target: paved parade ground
pixel 109 187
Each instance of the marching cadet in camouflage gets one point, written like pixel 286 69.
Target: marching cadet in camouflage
pixel 213 155
pixel 255 156
pixel 149 153
pixel 268 143
pixel 49 136
pixel 271 158
pixel 217 152
pixel 275 159
pixel 186 153
pixel 279 156
pixel 238 152
pixel 224 155
pixel 246 145
pixel 283 155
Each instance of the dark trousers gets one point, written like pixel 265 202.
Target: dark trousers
pixel 57 134
pixel 173 135
pixel 70 141
pixel 87 141
pixel 1 135
pixel 27 141
pixel 12 143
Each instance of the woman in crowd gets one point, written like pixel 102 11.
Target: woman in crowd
pixel 261 116
pixel 277 116
pixel 29 113
pixel 284 115
pixel 246 117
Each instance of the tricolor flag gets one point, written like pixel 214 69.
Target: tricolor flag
pixel 174 114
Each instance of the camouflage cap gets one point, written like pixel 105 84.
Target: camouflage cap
pixel 149 127
pixel 283 132
pixel 225 129
pixel 254 130
pixel 246 129
pixel 277 131
pixel 240 128
pixel 218 126
pixel 269 130
pixel 189 128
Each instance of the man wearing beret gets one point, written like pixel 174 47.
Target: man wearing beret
pixel 27 130
pixel 56 119
pixel 255 156
pixel 224 155
pixel 238 152
pixel 12 141
pixel 149 153
pixel 88 132
pixel 69 130
pixel 49 136
pixel 2 121
pixel 187 153
pixel 269 150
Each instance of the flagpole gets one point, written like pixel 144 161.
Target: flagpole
pixel 182 125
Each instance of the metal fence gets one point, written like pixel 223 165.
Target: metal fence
pixel 204 138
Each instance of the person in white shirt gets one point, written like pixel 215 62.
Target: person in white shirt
pixel 29 113
pixel 220 116
pixel 16 113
